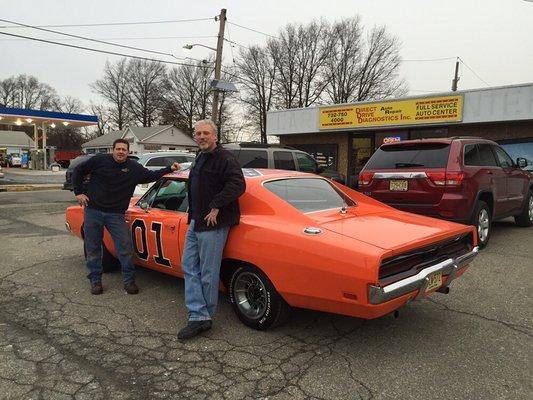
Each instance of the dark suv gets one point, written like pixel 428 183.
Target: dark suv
pixel 464 179
pixel 258 155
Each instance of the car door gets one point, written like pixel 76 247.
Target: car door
pixel 155 223
pixel 515 180
pixel 495 177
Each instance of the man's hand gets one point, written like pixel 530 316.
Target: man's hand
pixel 211 218
pixel 176 166
pixel 82 199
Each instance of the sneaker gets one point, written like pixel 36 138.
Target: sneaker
pixel 194 328
pixel 97 288
pixel 131 288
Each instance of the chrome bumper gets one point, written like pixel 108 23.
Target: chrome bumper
pixel 449 268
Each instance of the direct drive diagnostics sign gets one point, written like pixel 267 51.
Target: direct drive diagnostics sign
pixel 402 112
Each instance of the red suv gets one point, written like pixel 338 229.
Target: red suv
pixel 464 179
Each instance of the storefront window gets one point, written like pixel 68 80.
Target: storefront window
pixel 324 154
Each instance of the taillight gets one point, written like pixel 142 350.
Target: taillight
pixel 446 178
pixel 365 178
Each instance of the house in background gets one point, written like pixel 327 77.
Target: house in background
pixel 15 142
pixel 143 140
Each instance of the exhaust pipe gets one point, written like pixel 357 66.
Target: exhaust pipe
pixel 444 290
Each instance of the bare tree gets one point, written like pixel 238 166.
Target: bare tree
pixel 67 136
pixel 113 87
pixel 188 95
pixel 145 90
pixel 379 74
pixel 344 63
pixel 104 119
pixel 27 92
pixel 300 55
pixel 257 74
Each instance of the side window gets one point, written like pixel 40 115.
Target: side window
pixel 306 163
pixel 503 158
pixel 251 158
pixel 471 155
pixel 284 160
pixel 486 156
pixel 157 162
pixel 170 195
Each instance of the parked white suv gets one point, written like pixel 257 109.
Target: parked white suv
pixel 160 159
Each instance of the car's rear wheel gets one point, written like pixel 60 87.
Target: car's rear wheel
pixel 525 218
pixel 482 220
pixel 109 262
pixel 255 300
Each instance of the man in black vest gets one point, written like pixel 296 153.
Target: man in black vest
pixel 112 183
pixel 215 184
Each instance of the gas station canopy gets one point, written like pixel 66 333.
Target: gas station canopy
pixel 20 116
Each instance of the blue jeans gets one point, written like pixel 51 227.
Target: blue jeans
pixel 201 266
pixel 93 228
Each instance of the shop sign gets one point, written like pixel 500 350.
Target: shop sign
pixel 392 139
pixel 401 112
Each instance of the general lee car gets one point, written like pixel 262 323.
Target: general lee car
pixel 303 241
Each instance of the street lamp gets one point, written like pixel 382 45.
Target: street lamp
pixel 218 60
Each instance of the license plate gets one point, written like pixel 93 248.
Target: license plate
pixel 398 185
pixel 434 281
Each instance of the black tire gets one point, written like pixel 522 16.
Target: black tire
pixel 525 218
pixel 255 300
pixel 109 262
pixel 482 220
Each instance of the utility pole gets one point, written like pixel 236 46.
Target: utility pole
pixel 218 62
pixel 456 76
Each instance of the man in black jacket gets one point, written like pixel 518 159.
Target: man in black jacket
pixel 113 180
pixel 215 184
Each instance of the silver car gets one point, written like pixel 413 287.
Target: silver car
pixel 162 159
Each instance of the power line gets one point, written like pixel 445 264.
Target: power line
pixel 474 72
pixel 250 29
pixel 130 38
pixel 430 59
pixel 90 39
pixel 101 51
pixel 118 23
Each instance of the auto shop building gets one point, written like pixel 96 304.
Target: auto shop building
pixel 344 136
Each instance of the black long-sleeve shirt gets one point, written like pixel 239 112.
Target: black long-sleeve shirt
pixel 112 184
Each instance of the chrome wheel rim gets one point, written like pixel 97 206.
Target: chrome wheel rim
pixel 483 225
pixel 250 295
pixel 530 208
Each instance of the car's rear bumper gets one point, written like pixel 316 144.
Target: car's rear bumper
pixel 451 207
pixel 449 269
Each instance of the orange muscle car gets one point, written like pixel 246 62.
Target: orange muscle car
pixel 303 241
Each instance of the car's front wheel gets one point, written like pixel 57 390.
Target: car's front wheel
pixel 255 300
pixel 482 220
pixel 525 218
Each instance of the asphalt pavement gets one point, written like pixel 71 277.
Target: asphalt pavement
pixel 59 342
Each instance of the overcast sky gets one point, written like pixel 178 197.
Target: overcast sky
pixel 493 37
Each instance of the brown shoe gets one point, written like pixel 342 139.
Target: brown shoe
pixel 97 288
pixel 131 288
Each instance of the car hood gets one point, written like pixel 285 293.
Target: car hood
pixel 388 230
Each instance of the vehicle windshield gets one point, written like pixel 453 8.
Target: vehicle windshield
pixel 406 155
pixel 309 194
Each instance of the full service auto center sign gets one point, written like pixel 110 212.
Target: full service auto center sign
pixel 402 112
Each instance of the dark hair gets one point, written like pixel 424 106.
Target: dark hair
pixel 121 141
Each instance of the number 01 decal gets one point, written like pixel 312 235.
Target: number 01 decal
pixel 159 258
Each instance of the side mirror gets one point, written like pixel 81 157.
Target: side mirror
pixel 521 162
pixel 145 206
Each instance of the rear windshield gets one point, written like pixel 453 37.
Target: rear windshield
pixel 428 155
pixel 308 194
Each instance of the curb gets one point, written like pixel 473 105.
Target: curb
pixel 30 187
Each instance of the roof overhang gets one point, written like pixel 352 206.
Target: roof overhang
pixel 20 116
